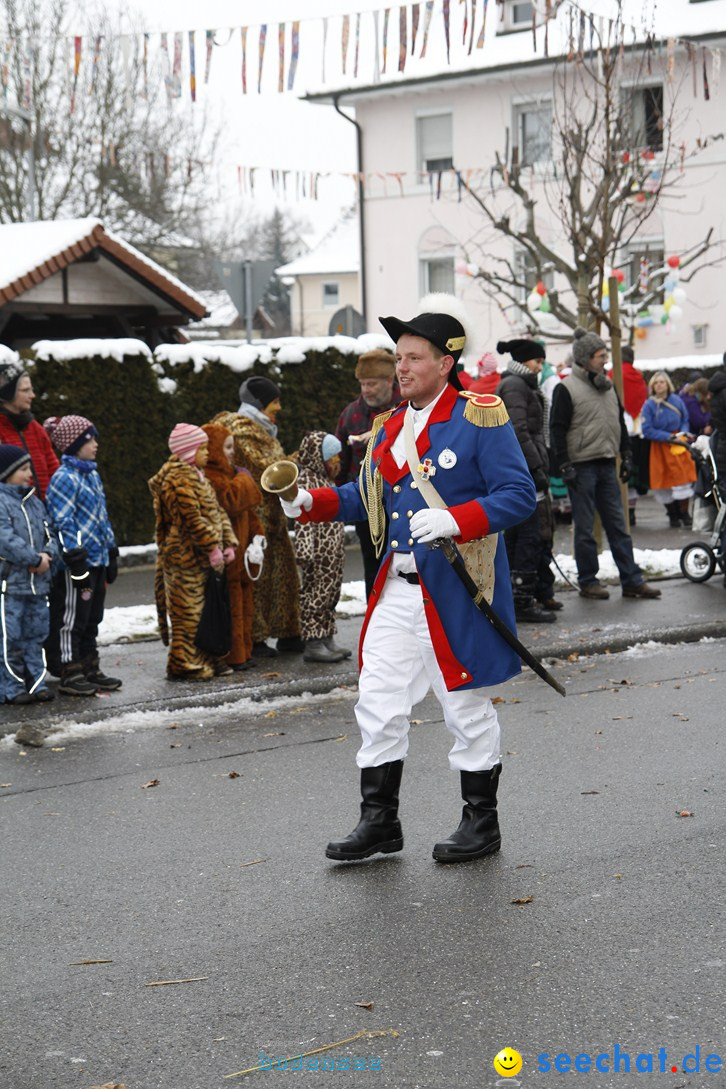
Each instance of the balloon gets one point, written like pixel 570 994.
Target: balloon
pixel 461 268
pixel 606 304
pixel 664 319
pixel 641 333
pixel 675 313
pixel 533 301
pixel 668 305
pixel 670 285
pixel 540 288
pixel 621 287
pixel 673 262
pixel 679 295
pixel 545 305
pixel 619 275
pixel 605 290
pixel 472 270
pixel 646 319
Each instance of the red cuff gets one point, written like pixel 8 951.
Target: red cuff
pixel 471 519
pixel 325 506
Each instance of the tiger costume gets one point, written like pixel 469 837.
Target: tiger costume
pixel 189 525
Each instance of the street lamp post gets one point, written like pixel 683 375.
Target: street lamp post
pixel 27 118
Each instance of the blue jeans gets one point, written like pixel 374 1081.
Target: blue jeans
pixel 24 622
pixel 598 490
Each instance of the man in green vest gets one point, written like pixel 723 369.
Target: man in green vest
pixel 588 431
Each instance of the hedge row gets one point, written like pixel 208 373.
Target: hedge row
pixel 135 402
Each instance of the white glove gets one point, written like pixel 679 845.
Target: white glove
pixel 429 525
pixel 302 501
pixel 255 554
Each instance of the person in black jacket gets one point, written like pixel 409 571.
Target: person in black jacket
pixel 527 551
pixel 717 389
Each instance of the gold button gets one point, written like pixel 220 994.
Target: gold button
pixel 410 540
pixel 464 676
pixel 396 488
pixel 409 514
pixel 414 484
pixel 395 514
pixel 394 544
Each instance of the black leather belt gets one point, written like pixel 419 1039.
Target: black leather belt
pixel 413 579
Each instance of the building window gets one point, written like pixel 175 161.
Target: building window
pixel 642 260
pixel 434 143
pixel 437 274
pixel 533 132
pixel 643 114
pixel 526 272
pixel 331 294
pixel 517 14
pixel 700 332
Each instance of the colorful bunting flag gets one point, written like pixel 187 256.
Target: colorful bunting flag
pixel 447 29
pixel 208 59
pixel 97 55
pixel 345 35
pixel 192 67
pixel 166 66
pixel 77 48
pixel 325 42
pixel 261 55
pixel 402 39
pixel 281 52
pixel 482 32
pixel 176 83
pixel 415 14
pixel 386 15
pixel 357 45
pixel 294 54
pixel 243 36
pixel 427 23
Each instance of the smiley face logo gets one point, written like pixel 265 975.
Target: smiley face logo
pixel 508 1062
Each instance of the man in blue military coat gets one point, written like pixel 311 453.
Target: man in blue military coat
pixel 422 629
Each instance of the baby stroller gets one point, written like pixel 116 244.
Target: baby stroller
pixel 699 559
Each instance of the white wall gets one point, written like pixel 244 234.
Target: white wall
pixel 482 107
pixel 309 317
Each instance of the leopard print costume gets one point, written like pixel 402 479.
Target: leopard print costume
pixel 189 524
pixel 319 549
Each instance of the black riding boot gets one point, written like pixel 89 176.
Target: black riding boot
pixel 478 833
pixel 526 607
pixel 379 829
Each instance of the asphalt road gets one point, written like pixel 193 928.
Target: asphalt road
pixel 217 875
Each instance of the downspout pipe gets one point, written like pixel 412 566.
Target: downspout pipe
pixel 361 208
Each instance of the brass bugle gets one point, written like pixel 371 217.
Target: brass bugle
pixel 280 479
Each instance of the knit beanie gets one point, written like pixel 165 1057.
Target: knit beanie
pixel 185 440
pixel 259 392
pixel 627 354
pixel 11 371
pixel 11 458
pixel 585 345
pixel 376 364
pixel 487 364
pixel 329 447
pixel 522 351
pixel 70 433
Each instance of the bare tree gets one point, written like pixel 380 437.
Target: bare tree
pixel 615 157
pixel 109 144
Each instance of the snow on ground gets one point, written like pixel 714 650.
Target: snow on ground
pixel 127 625
pixel 202 717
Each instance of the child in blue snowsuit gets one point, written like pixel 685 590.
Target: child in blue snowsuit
pixel 27 551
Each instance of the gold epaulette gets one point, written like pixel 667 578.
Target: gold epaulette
pixel 379 420
pixel 484 409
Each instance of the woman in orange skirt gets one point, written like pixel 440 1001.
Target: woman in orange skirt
pixel 672 469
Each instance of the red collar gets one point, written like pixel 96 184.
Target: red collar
pixel 382 454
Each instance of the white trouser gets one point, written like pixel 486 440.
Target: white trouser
pixel 399 668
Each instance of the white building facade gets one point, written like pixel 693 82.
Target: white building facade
pixel 423 137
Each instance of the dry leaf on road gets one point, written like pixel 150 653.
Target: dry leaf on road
pixel 523 900
pixel 151 783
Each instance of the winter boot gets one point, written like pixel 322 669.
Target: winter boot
pixel 95 675
pixel 379 829
pixel 684 513
pixel 526 608
pixel 478 833
pixel 73 682
pixel 336 648
pixel 317 651
pixel 674 514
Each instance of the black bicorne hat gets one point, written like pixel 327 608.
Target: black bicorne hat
pixel 444 331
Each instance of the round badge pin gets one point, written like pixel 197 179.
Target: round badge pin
pixel 447 459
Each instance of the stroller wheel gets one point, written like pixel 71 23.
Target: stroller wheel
pixel 698 562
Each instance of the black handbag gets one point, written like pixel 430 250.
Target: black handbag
pixel 214 633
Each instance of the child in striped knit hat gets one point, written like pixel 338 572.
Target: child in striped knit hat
pixel 77 506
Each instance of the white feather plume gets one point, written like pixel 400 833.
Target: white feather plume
pixel 439 302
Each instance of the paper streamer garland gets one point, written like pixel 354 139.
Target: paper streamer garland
pixel 294 54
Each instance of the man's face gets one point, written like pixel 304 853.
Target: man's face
pixel 534 365
pixel 420 376
pixel 376 392
pixel 24 396
pixel 598 361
